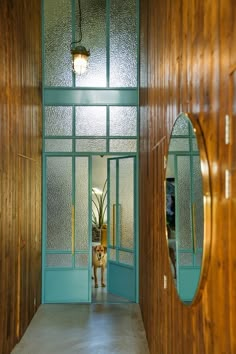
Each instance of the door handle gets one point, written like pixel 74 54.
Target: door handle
pixel 113 225
pixel 73 229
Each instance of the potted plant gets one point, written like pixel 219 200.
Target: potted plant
pixel 99 202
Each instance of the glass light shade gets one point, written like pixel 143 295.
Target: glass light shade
pixel 80 63
pixel 80 59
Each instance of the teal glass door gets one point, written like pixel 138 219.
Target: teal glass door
pixel 67 232
pixel 122 227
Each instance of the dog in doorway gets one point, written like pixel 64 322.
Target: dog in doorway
pixel 99 260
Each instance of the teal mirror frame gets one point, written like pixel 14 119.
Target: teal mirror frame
pixel 189 264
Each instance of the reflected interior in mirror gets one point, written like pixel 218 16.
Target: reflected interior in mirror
pixel 185 207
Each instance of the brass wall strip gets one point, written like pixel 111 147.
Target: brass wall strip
pixel 73 229
pixel 232 69
pixel 26 157
pixel 159 143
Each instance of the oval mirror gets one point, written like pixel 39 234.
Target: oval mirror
pixel 187 207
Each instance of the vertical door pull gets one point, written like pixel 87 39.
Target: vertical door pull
pixel 73 229
pixel 114 225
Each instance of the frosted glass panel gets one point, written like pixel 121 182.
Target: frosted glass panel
pixel 185 259
pixel 81 203
pixel 57 36
pixel 90 121
pixel 122 145
pixel 179 144
pixel 81 260
pixel 94 38
pixel 126 257
pixel 126 202
pixel 123 44
pixel 58 145
pixel 170 170
pixel 182 126
pixel 91 145
pixel 184 202
pixel 112 194
pixel 194 144
pixel 123 121
pixel 112 255
pixel 58 120
pixel 198 259
pixel 59 200
pixel 59 260
pixel 198 201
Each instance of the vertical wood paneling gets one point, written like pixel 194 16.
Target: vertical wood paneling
pixel 20 167
pixel 188 58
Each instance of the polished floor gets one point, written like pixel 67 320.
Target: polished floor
pixel 85 329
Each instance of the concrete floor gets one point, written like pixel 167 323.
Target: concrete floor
pixel 100 295
pixel 85 329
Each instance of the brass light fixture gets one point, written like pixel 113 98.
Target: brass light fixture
pixel 79 53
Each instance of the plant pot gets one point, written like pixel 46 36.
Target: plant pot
pixel 96 234
pixel 104 237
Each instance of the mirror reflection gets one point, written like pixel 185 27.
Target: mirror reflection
pixel 184 208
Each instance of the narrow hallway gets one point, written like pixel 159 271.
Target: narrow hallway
pixel 85 329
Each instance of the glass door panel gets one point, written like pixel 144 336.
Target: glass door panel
pixel 59 193
pixel 126 202
pixel 67 271
pixel 81 204
pixel 121 228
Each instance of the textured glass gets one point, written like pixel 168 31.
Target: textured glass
pixel 184 202
pixel 91 121
pixel 81 260
pixel 123 121
pixel 59 260
pixel 112 195
pixel 185 259
pixel 123 44
pixel 126 202
pixel 59 200
pixel 170 169
pixel 195 144
pixel 94 38
pixel 112 255
pixel 198 201
pixel 91 145
pixel 181 126
pixel 57 36
pixel 126 258
pixel 198 259
pixel 123 145
pixel 58 145
pixel 81 203
pixel 179 144
pixel 58 121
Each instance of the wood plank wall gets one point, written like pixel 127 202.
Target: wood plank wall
pixel 188 63
pixel 20 167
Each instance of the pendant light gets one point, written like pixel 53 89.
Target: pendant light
pixel 79 53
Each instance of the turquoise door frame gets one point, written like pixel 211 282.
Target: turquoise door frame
pixel 72 283
pixel 122 227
